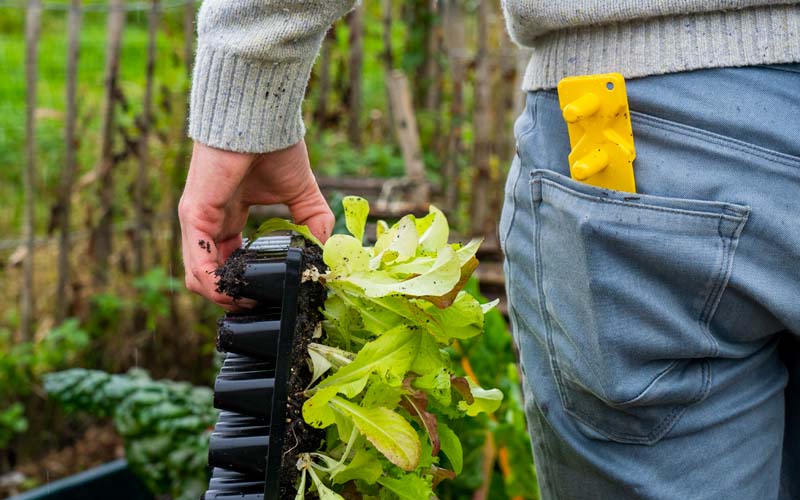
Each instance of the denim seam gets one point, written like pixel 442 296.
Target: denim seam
pixel 646 119
pixel 535 202
pixel 655 122
pixel 641 206
pixel 532 113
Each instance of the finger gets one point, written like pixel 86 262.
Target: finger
pixel 311 209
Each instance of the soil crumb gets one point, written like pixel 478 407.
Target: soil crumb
pixel 230 276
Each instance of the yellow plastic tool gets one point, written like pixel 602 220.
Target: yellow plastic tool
pixel 595 108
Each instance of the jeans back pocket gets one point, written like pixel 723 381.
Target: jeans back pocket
pixel 629 284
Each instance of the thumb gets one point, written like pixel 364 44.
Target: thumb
pixel 311 209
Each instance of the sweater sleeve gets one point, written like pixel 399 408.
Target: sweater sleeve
pixel 253 62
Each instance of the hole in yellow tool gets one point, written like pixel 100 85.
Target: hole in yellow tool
pixel 595 108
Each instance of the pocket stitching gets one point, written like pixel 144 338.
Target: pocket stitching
pixel 658 431
pixel 655 122
pixel 641 206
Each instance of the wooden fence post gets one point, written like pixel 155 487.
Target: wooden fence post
pixel 481 123
pixel 405 126
pixel 33 20
pixel 455 43
pixel 64 207
pixel 101 235
pixel 355 21
pixel 182 158
pixel 140 191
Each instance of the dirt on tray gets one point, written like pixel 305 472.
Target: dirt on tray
pixel 300 437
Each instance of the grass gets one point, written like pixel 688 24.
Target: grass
pixel 50 98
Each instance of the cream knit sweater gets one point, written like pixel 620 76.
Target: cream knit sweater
pixel 254 57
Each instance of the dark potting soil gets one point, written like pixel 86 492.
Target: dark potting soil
pixel 230 276
pixel 300 437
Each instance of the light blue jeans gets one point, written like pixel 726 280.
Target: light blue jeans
pixel 659 331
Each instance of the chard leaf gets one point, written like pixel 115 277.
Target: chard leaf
pixel 356 210
pixel 364 466
pixel 483 400
pixel 451 446
pixel 389 432
pixel 389 356
pixel 408 487
pixel 440 280
pixel 344 255
pixel 275 224
pixel 316 411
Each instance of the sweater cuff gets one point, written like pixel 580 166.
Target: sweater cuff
pixel 246 105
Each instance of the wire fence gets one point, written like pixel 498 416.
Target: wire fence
pixel 101 7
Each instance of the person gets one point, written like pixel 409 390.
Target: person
pixel 657 331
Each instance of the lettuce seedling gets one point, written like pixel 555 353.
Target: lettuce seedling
pixel 384 387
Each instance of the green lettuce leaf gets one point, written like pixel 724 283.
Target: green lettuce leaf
pixel 484 400
pixel 451 446
pixel 409 487
pixel 364 466
pixel 390 356
pixel 275 224
pixel 356 210
pixel 344 255
pixel 389 432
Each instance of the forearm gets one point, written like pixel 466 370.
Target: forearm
pixel 253 61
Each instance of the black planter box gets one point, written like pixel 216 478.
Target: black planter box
pixel 112 480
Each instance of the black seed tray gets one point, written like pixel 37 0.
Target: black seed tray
pixel 251 388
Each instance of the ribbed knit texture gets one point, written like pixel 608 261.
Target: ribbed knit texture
pixel 253 62
pixel 254 57
pixel 668 44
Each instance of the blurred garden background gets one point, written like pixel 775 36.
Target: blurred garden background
pixel 93 99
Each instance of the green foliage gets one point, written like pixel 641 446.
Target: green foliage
pixel 25 362
pixel 491 357
pixel 391 395
pixel 332 155
pixel 152 294
pixel 12 421
pixel 165 424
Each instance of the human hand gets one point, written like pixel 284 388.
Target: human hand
pixel 220 189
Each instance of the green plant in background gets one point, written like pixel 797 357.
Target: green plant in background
pixel 391 398
pixel 491 360
pixel 153 289
pixel 165 424
pixel 12 421
pixel 23 364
